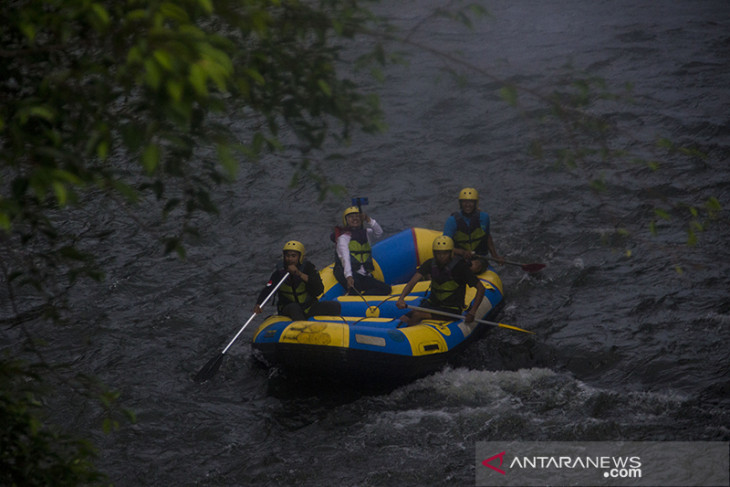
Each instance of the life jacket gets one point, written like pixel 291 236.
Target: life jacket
pixel 361 253
pixel 469 234
pixel 294 290
pixel 445 291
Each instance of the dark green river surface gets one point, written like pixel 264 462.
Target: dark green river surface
pixel 626 347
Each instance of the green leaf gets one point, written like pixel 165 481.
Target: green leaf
pixel 131 415
pixel 198 79
pixel 153 76
pixel 229 163
pixel 173 243
pixel 175 12
pixel 662 214
pixel 509 94
pixel 478 10
pixel 61 193
pixel 171 205
pixel 4 220
pixel 151 158
pixel 325 87
pixel 73 253
pixel 692 152
pixel 134 56
pixel 127 191
pixel 163 58
pixel 137 14
pixel 175 89
pixel 598 185
pixel 28 30
pixel 536 149
pixel 697 226
pixel 713 207
pixel 102 149
pixel 101 13
pixel 67 176
pixel 691 237
pixel 665 143
pixel 255 75
pixel 43 112
pixel 109 425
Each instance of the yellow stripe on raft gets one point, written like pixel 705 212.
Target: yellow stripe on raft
pixel 492 278
pixel 424 340
pixel 424 243
pixel 316 333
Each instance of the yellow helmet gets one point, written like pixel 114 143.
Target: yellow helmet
pixel 349 211
pixel 296 247
pixel 469 194
pixel 443 243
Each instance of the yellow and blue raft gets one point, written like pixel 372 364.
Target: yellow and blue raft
pixel 365 342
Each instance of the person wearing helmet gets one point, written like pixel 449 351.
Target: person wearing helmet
pixel 469 227
pixel 353 253
pixel 449 278
pixel 297 296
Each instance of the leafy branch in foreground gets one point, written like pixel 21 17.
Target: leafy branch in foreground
pixel 113 104
pixel 32 452
pixel 157 103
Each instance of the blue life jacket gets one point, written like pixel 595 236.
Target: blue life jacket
pixel 469 234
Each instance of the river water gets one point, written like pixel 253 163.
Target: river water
pixel 626 347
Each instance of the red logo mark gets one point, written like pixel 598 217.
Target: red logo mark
pixel 501 461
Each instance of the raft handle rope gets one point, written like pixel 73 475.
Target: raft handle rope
pixel 370 313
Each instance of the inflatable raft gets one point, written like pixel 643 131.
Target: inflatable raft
pixel 364 343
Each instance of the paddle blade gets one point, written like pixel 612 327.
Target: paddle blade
pixel 510 327
pixel 210 369
pixel 532 268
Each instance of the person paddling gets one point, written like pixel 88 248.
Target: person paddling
pixel 449 277
pixel 469 227
pixel 297 296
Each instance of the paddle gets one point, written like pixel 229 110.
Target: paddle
pixel 210 369
pixel 359 202
pixel 461 317
pixel 531 268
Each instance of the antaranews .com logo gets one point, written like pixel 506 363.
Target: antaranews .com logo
pixel 700 464
pixel 614 467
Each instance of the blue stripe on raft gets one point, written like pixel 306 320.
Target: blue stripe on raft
pixel 333 293
pixel 397 256
pixel 394 340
